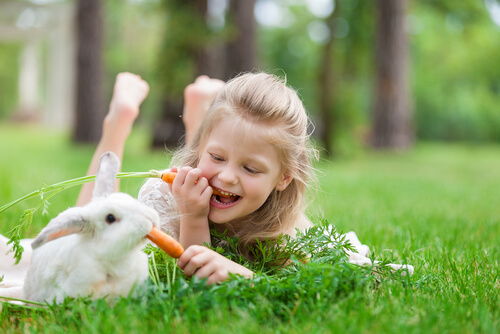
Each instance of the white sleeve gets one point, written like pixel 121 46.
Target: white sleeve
pixel 361 253
pixel 156 194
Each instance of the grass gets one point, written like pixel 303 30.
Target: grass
pixel 435 207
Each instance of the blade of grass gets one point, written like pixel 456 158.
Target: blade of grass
pixel 39 305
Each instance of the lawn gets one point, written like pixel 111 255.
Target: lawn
pixel 435 207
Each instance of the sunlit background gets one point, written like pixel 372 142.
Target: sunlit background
pixel 453 76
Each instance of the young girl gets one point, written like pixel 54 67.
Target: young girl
pixel 252 145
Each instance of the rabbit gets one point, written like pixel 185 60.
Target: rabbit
pixel 94 250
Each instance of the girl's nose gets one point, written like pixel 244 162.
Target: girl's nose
pixel 228 175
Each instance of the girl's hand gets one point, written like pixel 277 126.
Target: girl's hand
pixel 203 262
pixel 192 194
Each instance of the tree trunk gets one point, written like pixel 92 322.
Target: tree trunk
pixel 204 56
pixel 89 106
pixel 326 88
pixel 184 56
pixel 392 124
pixel 241 50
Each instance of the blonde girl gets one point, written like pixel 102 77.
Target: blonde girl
pixel 252 144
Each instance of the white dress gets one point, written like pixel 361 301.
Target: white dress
pixel 156 194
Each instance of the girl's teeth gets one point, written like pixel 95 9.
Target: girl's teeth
pixel 227 194
pixel 218 201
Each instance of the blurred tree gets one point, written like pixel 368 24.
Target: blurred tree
pixel 89 105
pixel 392 123
pixel 327 86
pixel 392 126
pixel 241 53
pixel 327 57
pixel 192 48
pixel 185 41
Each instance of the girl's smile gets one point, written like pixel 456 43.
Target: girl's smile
pixel 238 160
pixel 222 202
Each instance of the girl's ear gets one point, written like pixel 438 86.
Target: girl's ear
pixel 284 182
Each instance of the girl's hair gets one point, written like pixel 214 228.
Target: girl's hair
pixel 264 100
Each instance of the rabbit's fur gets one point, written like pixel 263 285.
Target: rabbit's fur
pixel 93 250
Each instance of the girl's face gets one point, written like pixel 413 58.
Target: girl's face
pixel 242 164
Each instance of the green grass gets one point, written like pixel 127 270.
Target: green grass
pixel 435 207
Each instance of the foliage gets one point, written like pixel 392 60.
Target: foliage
pixel 185 38
pixel 454 77
pixel 456 85
pixel 320 243
pixel 8 78
pixel 133 34
pixel 292 50
pixel 279 257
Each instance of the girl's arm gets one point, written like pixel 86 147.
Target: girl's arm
pixel 203 262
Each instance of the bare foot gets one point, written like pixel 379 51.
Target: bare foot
pixel 128 94
pixel 198 97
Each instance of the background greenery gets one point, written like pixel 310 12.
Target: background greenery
pixel 455 81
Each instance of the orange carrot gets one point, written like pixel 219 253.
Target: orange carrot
pixel 165 242
pixel 170 176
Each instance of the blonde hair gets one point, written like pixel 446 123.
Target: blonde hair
pixel 264 99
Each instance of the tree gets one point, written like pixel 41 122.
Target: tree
pixel 392 116
pixel 191 48
pixel 89 105
pixel 326 87
pixel 182 52
pixel 241 48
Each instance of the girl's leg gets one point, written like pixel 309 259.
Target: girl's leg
pixel 128 93
pixel 198 97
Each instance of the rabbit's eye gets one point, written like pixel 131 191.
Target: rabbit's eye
pixel 110 218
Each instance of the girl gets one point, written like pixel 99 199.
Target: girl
pixel 252 145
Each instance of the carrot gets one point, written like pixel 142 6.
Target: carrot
pixel 165 242
pixel 170 176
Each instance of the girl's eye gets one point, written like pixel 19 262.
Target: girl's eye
pixel 216 157
pixel 251 170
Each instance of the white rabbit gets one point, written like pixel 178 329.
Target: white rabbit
pixel 93 250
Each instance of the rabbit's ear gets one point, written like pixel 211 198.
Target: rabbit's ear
pixel 106 174
pixel 67 222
